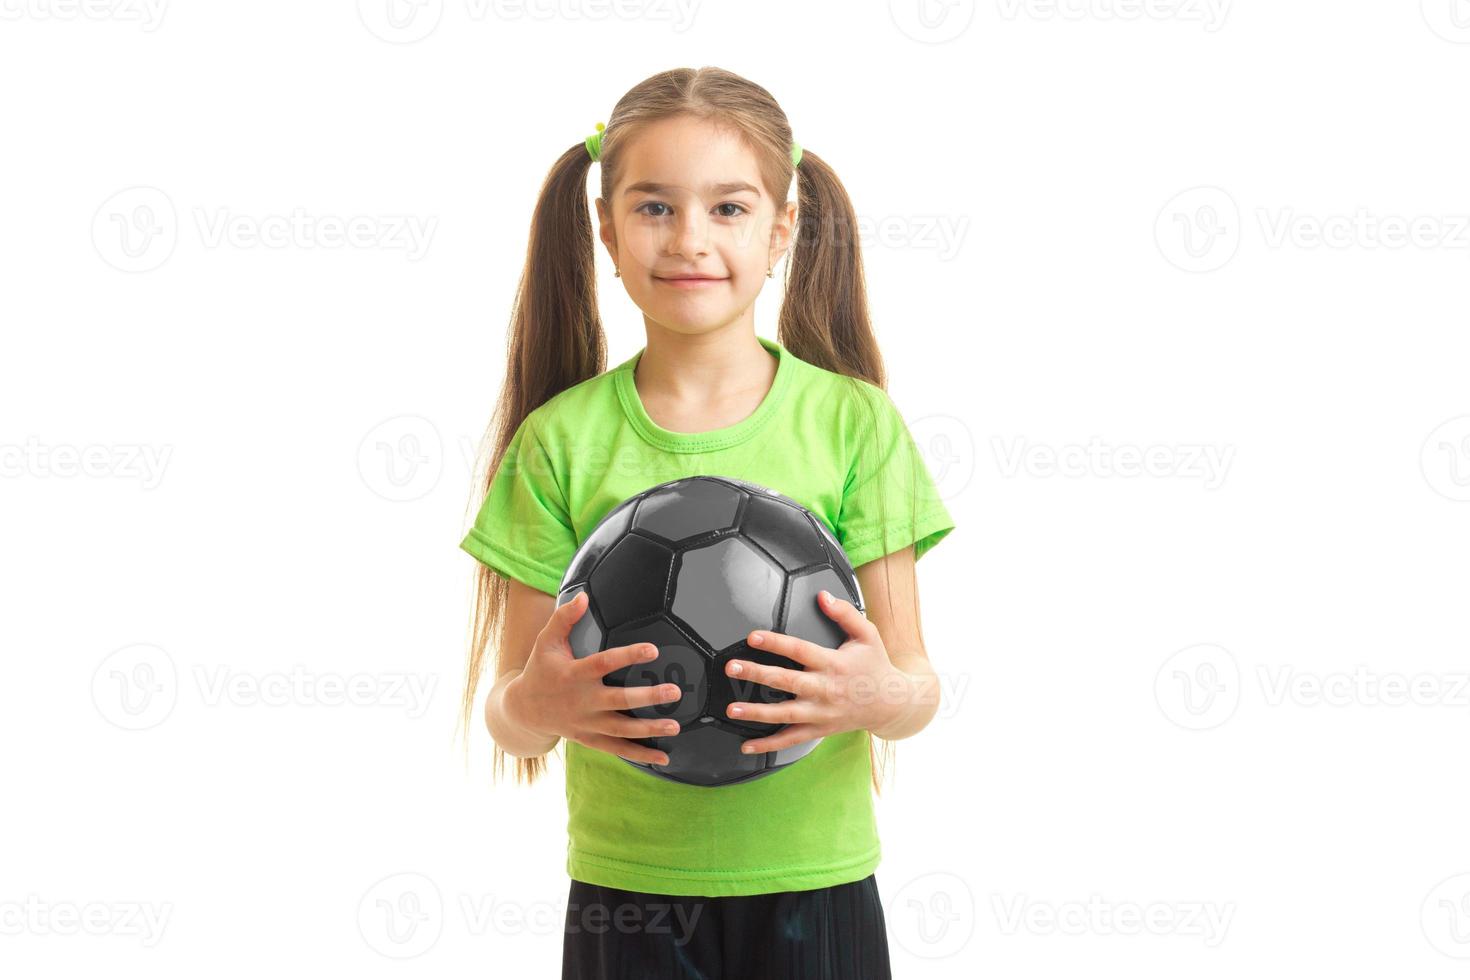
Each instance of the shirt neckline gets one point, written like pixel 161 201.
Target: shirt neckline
pixel 689 442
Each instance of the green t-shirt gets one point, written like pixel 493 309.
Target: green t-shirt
pixel 589 448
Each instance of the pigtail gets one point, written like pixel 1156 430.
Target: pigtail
pixel 555 341
pixel 824 320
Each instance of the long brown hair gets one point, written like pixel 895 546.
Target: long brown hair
pixel 556 338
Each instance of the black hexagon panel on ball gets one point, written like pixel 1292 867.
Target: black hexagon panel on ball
pixel 693 566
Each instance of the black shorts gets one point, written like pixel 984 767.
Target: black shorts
pixel 834 933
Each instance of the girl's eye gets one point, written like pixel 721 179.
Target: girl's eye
pixel 739 209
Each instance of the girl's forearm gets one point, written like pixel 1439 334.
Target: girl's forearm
pixel 505 719
pixel 920 701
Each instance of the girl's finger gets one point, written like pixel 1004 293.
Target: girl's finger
pixel 846 615
pixel 607 661
pixel 564 617
pixel 785 738
pixel 637 696
pixel 781 678
pixel 623 749
pixel 790 647
pixel 780 713
pixel 617 723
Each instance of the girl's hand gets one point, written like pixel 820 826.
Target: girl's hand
pixel 853 687
pixel 557 694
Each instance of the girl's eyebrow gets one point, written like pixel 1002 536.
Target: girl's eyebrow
pixel 729 187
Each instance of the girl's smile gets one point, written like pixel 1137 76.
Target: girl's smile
pixel 689 282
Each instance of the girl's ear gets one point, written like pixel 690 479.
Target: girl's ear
pixel 781 231
pixel 606 230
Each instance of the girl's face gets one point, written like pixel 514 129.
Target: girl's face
pixel 690 227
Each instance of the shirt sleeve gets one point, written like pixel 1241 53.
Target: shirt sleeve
pixel 890 500
pixel 523 530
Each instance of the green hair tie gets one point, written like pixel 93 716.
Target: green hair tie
pixel 594 147
pixel 594 143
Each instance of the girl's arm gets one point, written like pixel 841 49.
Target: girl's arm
pixel 891 600
pixel 526 613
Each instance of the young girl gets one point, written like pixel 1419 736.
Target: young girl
pixel 773 877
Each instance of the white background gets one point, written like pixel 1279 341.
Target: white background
pixel 1206 719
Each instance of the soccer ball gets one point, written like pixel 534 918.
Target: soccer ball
pixel 693 566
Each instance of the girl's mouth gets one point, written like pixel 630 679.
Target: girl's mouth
pixel 688 282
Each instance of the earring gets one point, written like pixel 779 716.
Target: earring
pixel 617 273
pixel 770 274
